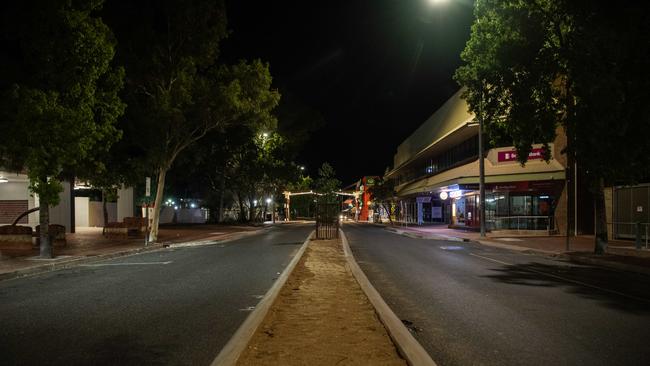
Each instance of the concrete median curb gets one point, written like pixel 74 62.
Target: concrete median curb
pixel 237 344
pixel 407 345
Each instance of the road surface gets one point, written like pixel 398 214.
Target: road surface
pixel 470 304
pixel 171 307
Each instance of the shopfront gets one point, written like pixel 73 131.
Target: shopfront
pixel 508 206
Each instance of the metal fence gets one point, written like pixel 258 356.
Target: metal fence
pixel 327 220
pixel 640 231
pixel 521 223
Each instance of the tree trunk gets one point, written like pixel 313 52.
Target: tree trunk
pixel 44 235
pixel 387 209
pixel 221 197
pixel 601 217
pixel 160 187
pixel 242 213
pixel 105 207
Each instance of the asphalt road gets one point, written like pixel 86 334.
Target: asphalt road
pixel 172 307
pixel 470 304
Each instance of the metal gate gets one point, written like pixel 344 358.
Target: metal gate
pixel 327 220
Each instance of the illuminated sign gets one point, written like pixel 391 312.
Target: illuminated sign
pixel 511 155
pixel 443 195
pixel 455 194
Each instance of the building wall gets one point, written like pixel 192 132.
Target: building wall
pixel 81 214
pixel 96 213
pixel 125 203
pixel 16 198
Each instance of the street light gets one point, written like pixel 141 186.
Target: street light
pixel 481 168
pixel 268 202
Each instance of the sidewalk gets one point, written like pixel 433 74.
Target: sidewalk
pixel 620 254
pixel 88 244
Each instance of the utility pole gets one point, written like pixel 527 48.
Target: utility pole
pixel 481 168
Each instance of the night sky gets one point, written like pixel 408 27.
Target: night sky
pixel 375 69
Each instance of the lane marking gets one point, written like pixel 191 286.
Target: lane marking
pixel 565 279
pixel 124 264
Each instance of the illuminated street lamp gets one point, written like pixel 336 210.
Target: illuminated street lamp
pixel 268 202
pixel 481 162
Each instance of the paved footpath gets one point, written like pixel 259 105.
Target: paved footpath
pixel 621 254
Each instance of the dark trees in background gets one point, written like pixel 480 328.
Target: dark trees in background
pixel 534 65
pixel 59 92
pixel 177 90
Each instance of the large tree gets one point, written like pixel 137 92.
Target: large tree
pixel 178 90
pixel 59 92
pixel 532 66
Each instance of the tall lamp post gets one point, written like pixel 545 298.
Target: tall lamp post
pixel 481 168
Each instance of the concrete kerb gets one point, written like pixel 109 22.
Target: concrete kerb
pixel 76 261
pixel 407 345
pixel 607 264
pixel 237 344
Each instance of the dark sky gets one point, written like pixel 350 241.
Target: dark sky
pixel 375 69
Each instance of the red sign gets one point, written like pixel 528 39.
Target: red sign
pixel 511 155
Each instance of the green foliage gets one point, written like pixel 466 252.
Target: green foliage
pixel 327 183
pixel 59 89
pixel 534 65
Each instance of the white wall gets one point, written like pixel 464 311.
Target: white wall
pixel 81 216
pixel 60 214
pixel 96 213
pixel 18 189
pixel 190 216
pixel 124 203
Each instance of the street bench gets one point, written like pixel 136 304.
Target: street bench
pixel 57 235
pixel 131 226
pixel 15 239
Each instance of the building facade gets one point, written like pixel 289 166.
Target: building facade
pixel 436 173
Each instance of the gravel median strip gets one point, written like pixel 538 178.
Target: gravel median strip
pixel 321 317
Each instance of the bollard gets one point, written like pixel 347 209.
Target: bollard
pixel 638 235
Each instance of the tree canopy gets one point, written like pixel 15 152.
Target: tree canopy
pixel 59 92
pixel 532 66
pixel 178 89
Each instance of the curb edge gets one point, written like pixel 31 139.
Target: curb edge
pixel 230 353
pixel 407 345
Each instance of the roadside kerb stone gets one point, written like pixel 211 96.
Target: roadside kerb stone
pixel 50 265
pixel 408 346
pixel 576 258
pixel 231 352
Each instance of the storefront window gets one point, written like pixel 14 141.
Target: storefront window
pixel 520 205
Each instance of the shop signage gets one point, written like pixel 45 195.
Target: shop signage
pixel 468 187
pixel 455 194
pixel 444 195
pixel 511 155
pixel 424 199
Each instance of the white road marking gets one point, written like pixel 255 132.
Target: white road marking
pixel 250 308
pixel 452 247
pixel 123 264
pixel 565 279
